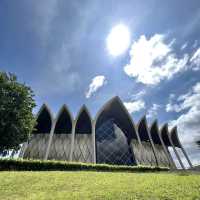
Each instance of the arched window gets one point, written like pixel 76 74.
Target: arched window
pixel 83 124
pixel 142 130
pixel 176 142
pixel 148 154
pixel 155 133
pixel 43 121
pixel 174 137
pixel 37 144
pixel 114 130
pixel 164 133
pixel 83 145
pixel 162 156
pixel 60 146
pixel 64 122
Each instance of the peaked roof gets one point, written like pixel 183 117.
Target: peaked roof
pixel 115 109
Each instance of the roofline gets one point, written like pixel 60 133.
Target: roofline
pixel 64 107
pixel 109 102
pixel 83 107
pixel 45 106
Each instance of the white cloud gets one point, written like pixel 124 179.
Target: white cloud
pixel 153 111
pixel 138 95
pixel 96 83
pixel 185 101
pixel 153 60
pixel 195 59
pixel 189 122
pixel 184 46
pixel 173 107
pixel 134 106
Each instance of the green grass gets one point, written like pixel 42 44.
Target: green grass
pixel 98 185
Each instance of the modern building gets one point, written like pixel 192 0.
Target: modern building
pixel 111 137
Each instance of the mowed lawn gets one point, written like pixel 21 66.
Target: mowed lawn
pixel 98 185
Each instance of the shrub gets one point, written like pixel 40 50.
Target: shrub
pixel 50 165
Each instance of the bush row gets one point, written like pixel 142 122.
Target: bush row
pixel 50 165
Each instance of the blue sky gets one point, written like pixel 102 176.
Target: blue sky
pixel 59 48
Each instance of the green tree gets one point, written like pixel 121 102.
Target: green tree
pixel 16 117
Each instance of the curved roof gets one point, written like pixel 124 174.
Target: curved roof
pixel 113 109
pixel 44 120
pixel 83 121
pixel 174 137
pixel 154 131
pixel 64 121
pixel 143 129
pixel 165 134
pixel 116 110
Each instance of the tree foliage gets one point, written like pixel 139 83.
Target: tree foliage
pixel 16 118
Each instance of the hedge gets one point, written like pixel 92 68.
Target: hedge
pixel 51 165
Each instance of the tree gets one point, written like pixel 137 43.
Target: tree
pixel 16 118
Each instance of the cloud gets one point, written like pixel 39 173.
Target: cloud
pixel 134 106
pixel 153 60
pixel 195 59
pixel 153 111
pixel 173 107
pixel 188 123
pixel 96 83
pixel 138 95
pixel 184 46
pixel 185 101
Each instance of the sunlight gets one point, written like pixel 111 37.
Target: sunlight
pixel 118 40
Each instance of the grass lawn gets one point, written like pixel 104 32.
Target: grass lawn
pixel 98 185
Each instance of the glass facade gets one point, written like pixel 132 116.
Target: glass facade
pixel 112 146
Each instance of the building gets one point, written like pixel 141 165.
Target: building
pixel 111 137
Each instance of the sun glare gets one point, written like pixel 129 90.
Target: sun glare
pixel 118 40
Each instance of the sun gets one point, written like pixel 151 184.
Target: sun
pixel 118 40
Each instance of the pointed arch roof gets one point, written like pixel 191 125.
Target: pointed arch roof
pixel 83 121
pixel 154 131
pixel 164 132
pixel 64 120
pixel 45 107
pixel 44 120
pixel 114 108
pixel 143 129
pixel 174 137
